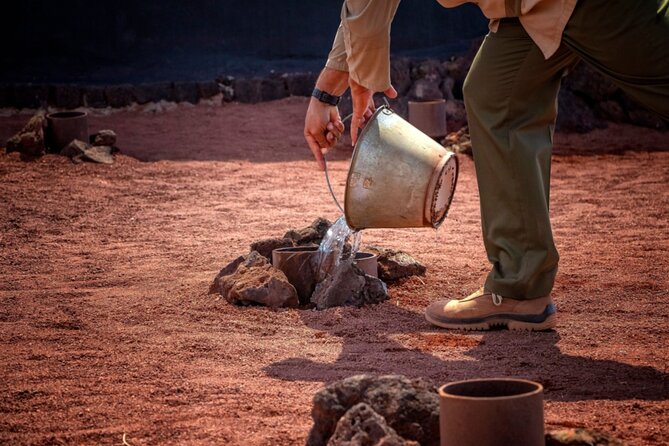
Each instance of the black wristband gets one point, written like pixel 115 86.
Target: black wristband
pixel 326 97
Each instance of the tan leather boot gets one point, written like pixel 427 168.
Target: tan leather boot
pixel 483 310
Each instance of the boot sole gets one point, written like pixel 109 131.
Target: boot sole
pixel 549 323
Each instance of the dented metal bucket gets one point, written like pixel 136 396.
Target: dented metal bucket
pixel 399 177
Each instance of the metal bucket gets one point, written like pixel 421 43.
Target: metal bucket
pixel 399 177
pixel 64 127
pixel 490 412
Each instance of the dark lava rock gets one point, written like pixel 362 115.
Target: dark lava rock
pixel 425 90
pixel 428 69
pixel 95 97
pixel 409 406
pixel 226 271
pixel 186 92
pixel 145 93
pixel 256 281
pixel 30 96
pixel 589 83
pixel 65 96
pixel 300 84
pixel 348 285
pixel 247 90
pixel 266 246
pixel 400 74
pixel 457 69
pixel 208 89
pixel 394 264
pixel 456 115
pixel 104 138
pixel 30 140
pixel 361 426
pixel 575 115
pixel 119 95
pixel 312 234
pixel 447 87
pixel 273 89
pixel 580 437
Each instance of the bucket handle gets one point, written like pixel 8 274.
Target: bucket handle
pixel 325 163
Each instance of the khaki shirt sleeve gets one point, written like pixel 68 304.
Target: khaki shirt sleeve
pixel 365 32
pixel 337 56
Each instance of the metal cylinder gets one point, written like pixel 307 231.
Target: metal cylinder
pixel 64 127
pixel 399 177
pixel 429 117
pixel 491 412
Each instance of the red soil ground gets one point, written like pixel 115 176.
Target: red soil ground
pixel 106 327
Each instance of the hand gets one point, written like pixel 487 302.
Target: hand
pixel 363 106
pixel 322 128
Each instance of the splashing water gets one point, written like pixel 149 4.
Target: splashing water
pixel 335 246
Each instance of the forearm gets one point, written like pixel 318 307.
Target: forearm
pixel 332 81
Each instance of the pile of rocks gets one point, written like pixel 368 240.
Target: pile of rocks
pixel 31 141
pixel 394 410
pixel 252 279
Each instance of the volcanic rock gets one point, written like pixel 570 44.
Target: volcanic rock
pixel 119 95
pixel 361 426
pixel 145 93
pixel 247 90
pixel 580 437
pixel 400 74
pixel 95 97
pixel 30 96
pixel 30 140
pixel 456 115
pixel 75 150
pixel 79 151
pixel 273 89
pixel 186 92
pixel 226 271
pixel 575 114
pixel 208 89
pixel 394 264
pixel 425 90
pixel 266 246
pixel 300 84
pixel 447 86
pixel 409 406
pixel 431 69
pixel 348 285
pixel 65 96
pixel 312 234
pixel 104 138
pixel 256 281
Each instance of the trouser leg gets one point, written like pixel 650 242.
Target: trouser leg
pixel 510 96
pixel 628 41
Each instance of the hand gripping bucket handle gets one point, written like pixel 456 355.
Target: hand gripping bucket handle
pixel 398 178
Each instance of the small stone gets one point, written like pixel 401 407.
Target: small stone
pixel 75 150
pixel 395 264
pixel 266 246
pixel 348 285
pixel 256 281
pixel 104 138
pixel 361 426
pixel 580 437
pixel 409 406
pixel 99 154
pixel 312 234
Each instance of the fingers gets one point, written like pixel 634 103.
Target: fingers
pixel 316 151
pixel 391 92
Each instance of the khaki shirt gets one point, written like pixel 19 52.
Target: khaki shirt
pixel 362 43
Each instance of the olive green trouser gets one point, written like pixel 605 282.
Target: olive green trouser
pixel 511 100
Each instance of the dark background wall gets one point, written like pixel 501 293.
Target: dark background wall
pixel 150 40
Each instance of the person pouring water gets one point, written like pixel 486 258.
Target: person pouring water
pixel 510 96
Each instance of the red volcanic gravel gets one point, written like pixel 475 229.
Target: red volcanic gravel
pixel 106 327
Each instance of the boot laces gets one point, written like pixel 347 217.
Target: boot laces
pixel 496 299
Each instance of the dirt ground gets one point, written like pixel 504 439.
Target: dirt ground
pixel 106 327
